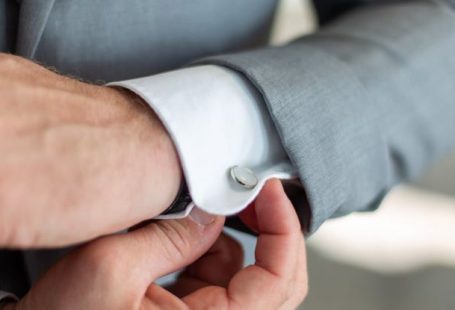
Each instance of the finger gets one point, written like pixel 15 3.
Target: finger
pixel 220 263
pixel 160 248
pixel 300 287
pixel 279 230
pixel 277 251
pixel 156 297
pixel 266 284
pixel 216 267
pixel 248 216
pixel 302 274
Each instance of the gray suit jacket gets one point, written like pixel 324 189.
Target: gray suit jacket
pixel 364 103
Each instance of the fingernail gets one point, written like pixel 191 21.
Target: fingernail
pixel 201 217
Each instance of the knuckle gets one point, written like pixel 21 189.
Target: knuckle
pixel 283 290
pixel 174 240
pixel 300 292
pixel 304 292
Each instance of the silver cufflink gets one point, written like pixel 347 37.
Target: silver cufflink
pixel 244 177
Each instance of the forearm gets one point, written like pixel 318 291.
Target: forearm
pixel 78 160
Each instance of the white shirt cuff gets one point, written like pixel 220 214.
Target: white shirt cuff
pixel 217 120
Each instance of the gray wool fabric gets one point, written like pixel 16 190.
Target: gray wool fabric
pixel 364 103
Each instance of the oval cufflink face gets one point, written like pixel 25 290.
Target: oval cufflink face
pixel 244 176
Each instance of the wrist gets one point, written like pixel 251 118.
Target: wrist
pixel 161 172
pixel 167 161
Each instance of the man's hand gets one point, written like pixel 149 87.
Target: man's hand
pixel 117 272
pixel 76 160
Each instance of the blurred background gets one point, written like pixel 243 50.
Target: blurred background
pixel 400 257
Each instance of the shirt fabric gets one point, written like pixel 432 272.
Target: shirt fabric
pixel 216 120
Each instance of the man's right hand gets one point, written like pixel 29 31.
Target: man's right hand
pixel 117 272
pixel 76 160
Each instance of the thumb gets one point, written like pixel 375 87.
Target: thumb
pixel 169 245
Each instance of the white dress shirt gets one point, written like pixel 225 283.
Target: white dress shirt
pixel 217 120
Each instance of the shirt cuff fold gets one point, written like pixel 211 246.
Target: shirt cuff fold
pixel 216 120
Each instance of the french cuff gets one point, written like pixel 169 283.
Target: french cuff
pixel 224 136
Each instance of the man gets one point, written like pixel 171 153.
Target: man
pixel 350 111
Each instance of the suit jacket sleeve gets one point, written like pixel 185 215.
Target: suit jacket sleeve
pixel 364 103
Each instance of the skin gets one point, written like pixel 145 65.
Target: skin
pixel 77 160
pixel 117 272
